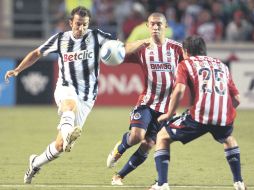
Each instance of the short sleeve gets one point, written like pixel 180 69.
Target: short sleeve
pixel 180 52
pixel 103 36
pixel 232 87
pixel 50 46
pixel 181 73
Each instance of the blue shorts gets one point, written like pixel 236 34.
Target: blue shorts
pixel 184 129
pixel 146 118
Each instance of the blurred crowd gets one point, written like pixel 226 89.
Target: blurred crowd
pixel 215 20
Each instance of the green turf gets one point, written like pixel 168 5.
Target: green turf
pixel 27 130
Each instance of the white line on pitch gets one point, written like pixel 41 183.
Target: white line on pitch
pixel 110 186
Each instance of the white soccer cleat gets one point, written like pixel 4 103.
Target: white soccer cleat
pixel 239 186
pixel 30 173
pixel 117 180
pixel 70 138
pixel 114 156
pixel 157 187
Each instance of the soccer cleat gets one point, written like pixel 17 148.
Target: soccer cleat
pixel 68 142
pixel 114 156
pixel 157 187
pixel 30 173
pixel 239 185
pixel 117 180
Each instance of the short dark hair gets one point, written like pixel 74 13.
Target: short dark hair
pixel 195 45
pixel 81 11
pixel 158 14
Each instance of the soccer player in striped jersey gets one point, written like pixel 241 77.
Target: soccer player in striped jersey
pixel 77 85
pixel 158 58
pixel 215 98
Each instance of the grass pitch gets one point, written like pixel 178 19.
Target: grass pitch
pixel 198 165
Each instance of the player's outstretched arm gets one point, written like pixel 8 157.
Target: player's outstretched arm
pixel 131 47
pixel 29 60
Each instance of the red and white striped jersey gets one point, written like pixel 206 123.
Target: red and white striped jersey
pixel 158 64
pixel 78 61
pixel 211 87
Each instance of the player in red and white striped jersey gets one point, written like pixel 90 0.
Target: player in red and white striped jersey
pixel 158 58
pixel 158 63
pixel 212 89
pixel 215 98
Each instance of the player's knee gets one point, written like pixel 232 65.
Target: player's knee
pixel 163 136
pixel 136 137
pixel 230 142
pixel 68 105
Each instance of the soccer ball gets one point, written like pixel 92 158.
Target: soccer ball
pixel 112 52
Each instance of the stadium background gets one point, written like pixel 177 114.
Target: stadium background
pixel 25 24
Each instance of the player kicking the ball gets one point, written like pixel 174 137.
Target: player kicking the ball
pixel 77 84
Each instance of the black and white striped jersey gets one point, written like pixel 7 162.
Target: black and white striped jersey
pixel 78 60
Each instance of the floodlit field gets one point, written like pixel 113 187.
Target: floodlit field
pixel 198 165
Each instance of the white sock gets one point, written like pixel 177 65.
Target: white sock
pixel 66 123
pixel 51 153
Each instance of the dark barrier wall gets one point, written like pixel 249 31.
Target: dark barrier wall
pixel 35 84
pixel 7 91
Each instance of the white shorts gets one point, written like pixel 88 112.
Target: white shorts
pixel 83 108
